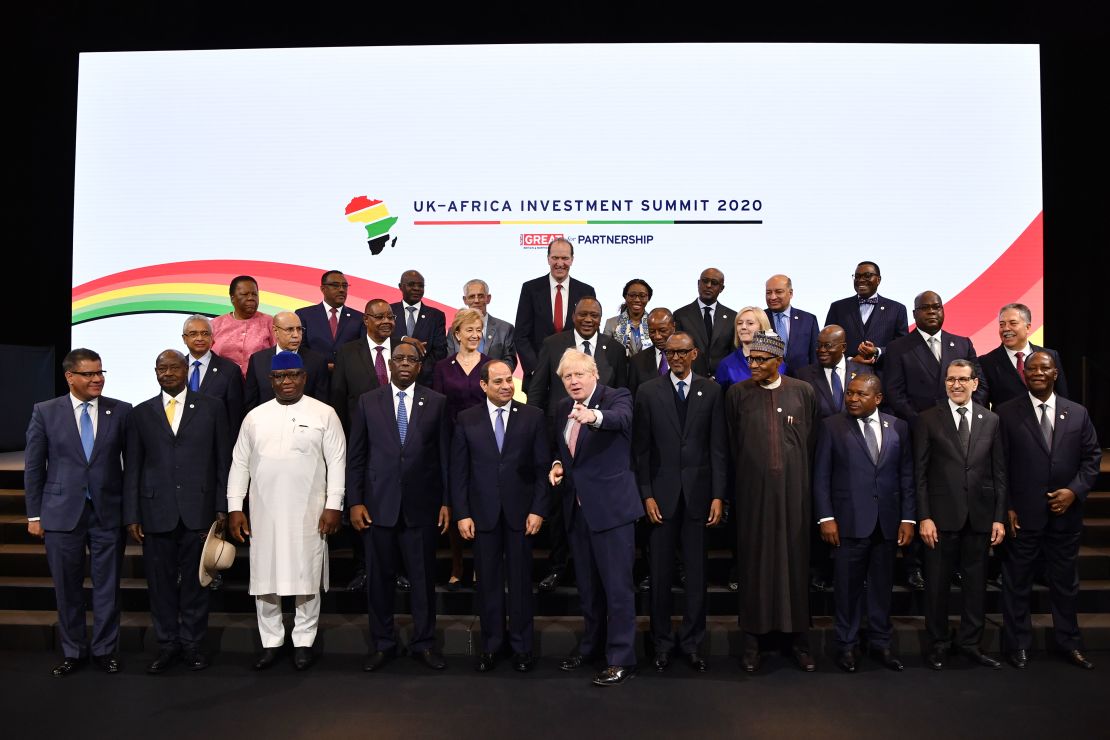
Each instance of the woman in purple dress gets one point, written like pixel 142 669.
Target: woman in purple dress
pixel 456 376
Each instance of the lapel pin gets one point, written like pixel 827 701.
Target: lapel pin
pixel 699 393
pixel 724 316
pixel 1062 416
pixel 419 403
pixel 882 308
pixel 422 316
pixel 779 410
pixel 886 425
pixel 980 416
pixel 951 344
pixel 604 346
pixel 108 411
pixel 853 376
pixel 515 409
pixel 192 406
pixel 215 369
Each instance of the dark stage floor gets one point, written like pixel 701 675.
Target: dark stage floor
pixel 336 700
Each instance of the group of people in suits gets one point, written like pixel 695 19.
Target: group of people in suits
pixel 881 435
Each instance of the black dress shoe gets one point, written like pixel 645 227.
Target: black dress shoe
pixel 887 659
pixel 733 583
pixel 750 660
pixel 1076 657
pixel 486 662
pixel 935 658
pixel 109 663
pixel 430 658
pixel 644 585
pixel 575 660
pixel 915 580
pixel 403 584
pixel 614 675
pixel 376 659
pixel 1018 659
pixel 804 660
pixel 266 658
pixel 166 658
pixel 358 583
pixel 68 666
pixel 551 581
pixel 194 660
pixel 523 662
pixel 957 580
pixel 697 662
pixel 846 661
pixel 977 656
pixel 302 657
pixel 661 661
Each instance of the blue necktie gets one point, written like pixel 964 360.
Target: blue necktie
pixel 499 429
pixel 682 389
pixel 482 343
pixel 781 326
pixel 402 417
pixel 194 379
pixel 87 436
pixel 837 390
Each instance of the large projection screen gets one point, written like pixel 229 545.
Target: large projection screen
pixel 462 161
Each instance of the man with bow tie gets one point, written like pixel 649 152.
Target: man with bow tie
pixel 870 321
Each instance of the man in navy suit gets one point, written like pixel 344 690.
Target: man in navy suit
pixel 498 337
pixel 645 366
pixel 536 314
pixel 829 377
pixel 1004 366
pixel 73 479
pixel 915 365
pixel 211 374
pixel 329 325
pixel 1054 460
pixel 680 449
pixel 397 491
pixel 796 327
pixel 711 323
pixel 290 338
pixel 499 461
pixel 864 502
pixel 600 507
pixel 175 486
pixel 870 321
pixel 415 320
pixel 960 474
pixel 546 389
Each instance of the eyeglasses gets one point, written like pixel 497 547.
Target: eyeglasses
pixel 830 346
pixel 195 334
pixel 405 360
pixel 958 381
pixel 344 286
pixel 281 377
pixel 711 281
pixel 929 307
pixel 381 316
pixel 865 275
pixel 637 296
pixel 678 352
pixel 88 373
pixel 753 360
pixel 290 329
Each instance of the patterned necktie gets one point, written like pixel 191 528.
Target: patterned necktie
pixel 410 322
pixel 171 407
pixel 1046 427
pixel 1021 366
pixel 482 341
pixel 334 322
pixel 964 430
pixel 586 348
pixel 708 318
pixel 837 389
pixel 572 437
pixel 557 319
pixel 194 378
pixel 866 306
pixel 379 367
pixel 871 439
pixel 499 429
pixel 402 417
pixel 87 434
pixel 664 368
pixel 682 389
pixel 782 326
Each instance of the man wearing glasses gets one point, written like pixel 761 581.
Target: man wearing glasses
pixel 329 325
pixel 870 321
pixel 73 479
pixel 290 338
pixel 211 374
pixel 960 482
pixel 680 449
pixel 708 322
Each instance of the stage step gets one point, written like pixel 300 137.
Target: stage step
pixel 344 637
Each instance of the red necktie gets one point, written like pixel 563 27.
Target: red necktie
pixel 379 368
pixel 334 323
pixel 558 308
pixel 1021 365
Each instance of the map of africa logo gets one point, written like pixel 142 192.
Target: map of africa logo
pixel 375 215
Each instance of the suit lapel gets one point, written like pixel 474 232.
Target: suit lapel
pixel 693 401
pixel 511 430
pixel 1060 423
pixel 723 321
pixel 104 423
pixel 385 406
pixel 667 399
pixel 857 434
pixel 188 411
pixel 697 326
pixel 70 422
pixel 1032 424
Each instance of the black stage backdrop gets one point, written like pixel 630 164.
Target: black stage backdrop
pixel 1073 64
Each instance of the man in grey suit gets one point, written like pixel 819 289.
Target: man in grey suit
pixel 73 478
pixel 497 342
pixel 175 486
pixel 960 480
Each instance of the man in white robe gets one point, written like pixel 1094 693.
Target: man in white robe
pixel 291 454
